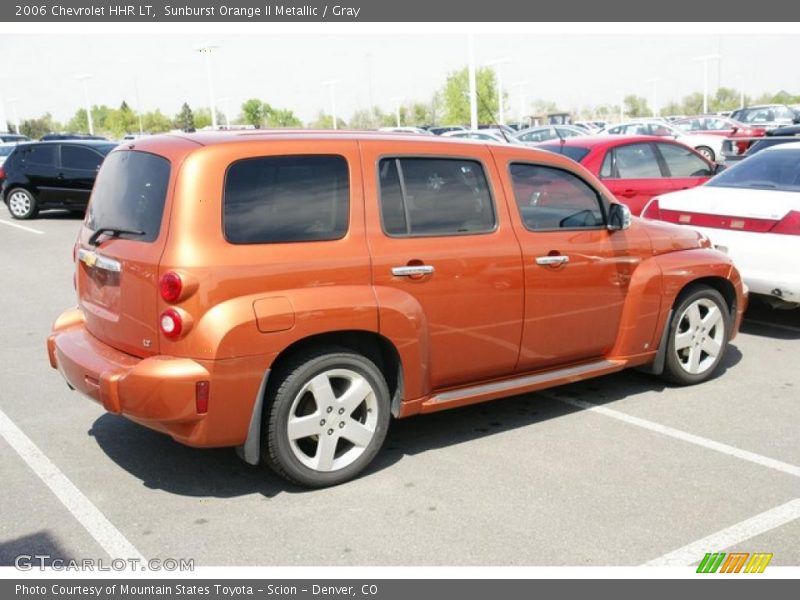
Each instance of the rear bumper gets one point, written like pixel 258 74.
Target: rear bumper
pixel 159 391
pixel 766 261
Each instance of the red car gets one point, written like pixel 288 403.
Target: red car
pixel 636 168
pixel 724 126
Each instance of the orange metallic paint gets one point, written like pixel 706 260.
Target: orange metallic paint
pixel 488 314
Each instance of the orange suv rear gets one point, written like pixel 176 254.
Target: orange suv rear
pixel 289 293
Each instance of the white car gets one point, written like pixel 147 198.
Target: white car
pixel 709 146
pixel 752 212
pixel 485 135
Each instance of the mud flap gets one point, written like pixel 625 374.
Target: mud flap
pixel 657 366
pixel 250 451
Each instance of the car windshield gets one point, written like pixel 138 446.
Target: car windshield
pixel 777 169
pixel 576 153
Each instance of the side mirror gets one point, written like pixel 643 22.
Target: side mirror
pixel 619 217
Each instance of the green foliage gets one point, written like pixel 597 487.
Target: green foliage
pixel 636 106
pixel 36 128
pixel 185 118
pixel 262 114
pixel 455 96
pixel 155 122
pixel 324 121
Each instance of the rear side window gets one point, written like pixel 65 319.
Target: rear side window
pixel 129 193
pixel 549 198
pixel 635 161
pixel 682 162
pixel 286 199
pixel 43 154
pixel 75 157
pixel 434 196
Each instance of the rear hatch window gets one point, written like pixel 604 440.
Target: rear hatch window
pixel 117 274
pixel 129 195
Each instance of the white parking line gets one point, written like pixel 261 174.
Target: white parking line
pixel 752 457
pixel 94 521
pixel 18 226
pixel 735 534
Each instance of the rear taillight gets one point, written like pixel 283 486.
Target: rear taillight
pixel 201 389
pixel 652 210
pixel 171 323
pixel 171 286
pixel 789 225
pixel 2 173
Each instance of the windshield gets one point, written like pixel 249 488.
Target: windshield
pixel 777 169
pixel 130 192
pixel 576 153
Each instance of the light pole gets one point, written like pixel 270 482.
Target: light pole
pixel 654 108
pixel 473 88
pixel 520 85
pixel 84 78
pixel 369 80
pixel 227 108
pixel 705 58
pixel 332 87
pixel 206 49
pixel 499 64
pixel 13 103
pixel 397 109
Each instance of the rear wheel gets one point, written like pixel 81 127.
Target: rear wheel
pixel 698 336
pixel 328 417
pixel 22 204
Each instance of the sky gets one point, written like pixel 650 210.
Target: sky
pixel 162 70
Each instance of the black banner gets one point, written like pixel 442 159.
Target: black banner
pixel 350 11
pixel 395 589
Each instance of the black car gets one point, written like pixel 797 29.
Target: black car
pixel 41 175
pixel 49 137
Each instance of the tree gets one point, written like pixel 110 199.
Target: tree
pixel 202 118
pixel 324 121
pixel 121 121
pixel 280 117
pixel 36 128
pixel 253 112
pixel 636 106
pixel 156 122
pixel 368 118
pixel 455 96
pixel 184 120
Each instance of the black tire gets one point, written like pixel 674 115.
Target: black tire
pixel 679 358
pixel 341 369
pixel 22 204
pixel 707 152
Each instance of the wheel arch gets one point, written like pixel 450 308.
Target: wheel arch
pixel 376 347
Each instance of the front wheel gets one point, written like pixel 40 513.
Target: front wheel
pixel 698 336
pixel 328 417
pixel 707 152
pixel 22 204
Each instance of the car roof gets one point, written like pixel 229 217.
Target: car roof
pixel 781 147
pixel 79 142
pixel 600 141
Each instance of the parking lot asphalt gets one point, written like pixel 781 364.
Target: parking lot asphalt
pixel 540 479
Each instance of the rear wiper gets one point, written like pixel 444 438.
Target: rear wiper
pixel 112 232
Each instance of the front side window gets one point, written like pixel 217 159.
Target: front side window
pixel 286 199
pixel 548 198
pixel 635 161
pixel 434 196
pixel 682 162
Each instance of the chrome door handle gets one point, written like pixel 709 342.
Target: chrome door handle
pixel 411 270
pixel 552 260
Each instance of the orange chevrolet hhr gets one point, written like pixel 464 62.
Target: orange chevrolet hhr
pixel 287 293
